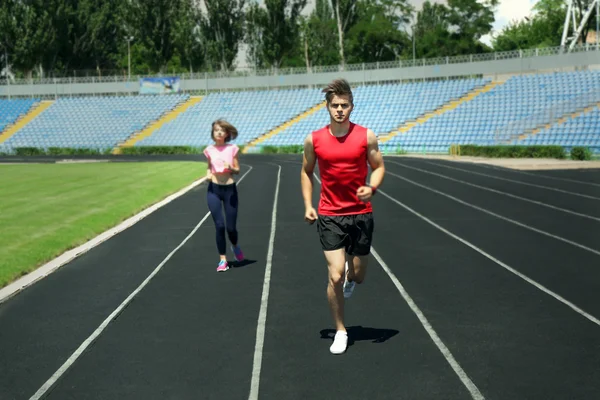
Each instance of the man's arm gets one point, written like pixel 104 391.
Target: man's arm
pixel 375 160
pixel 306 174
pixel 364 193
pixel 306 179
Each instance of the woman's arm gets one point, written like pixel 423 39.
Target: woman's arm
pixel 235 168
pixel 208 169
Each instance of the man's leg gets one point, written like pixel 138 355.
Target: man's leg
pixel 357 268
pixel 333 242
pixel 361 238
pixel 335 263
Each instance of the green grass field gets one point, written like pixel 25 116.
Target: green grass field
pixel 46 209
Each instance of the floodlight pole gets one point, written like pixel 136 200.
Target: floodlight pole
pixel 567 20
pixel 6 72
pixel 129 39
pixel 578 28
pixel 597 22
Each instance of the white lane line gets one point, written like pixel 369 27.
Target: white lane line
pixel 539 203
pixel 71 360
pixel 496 168
pixel 475 393
pixel 464 378
pixel 500 263
pixel 515 181
pixel 497 215
pixel 262 316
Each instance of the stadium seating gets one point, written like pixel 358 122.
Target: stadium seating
pixel 254 113
pixel 583 130
pixel 11 110
pixel 92 122
pixel 516 111
pixel 383 108
pixel 484 119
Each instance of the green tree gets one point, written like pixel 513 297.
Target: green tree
pixel 152 23
pixel 469 21
pixel 100 33
pixel 319 36
pixel 431 34
pixel 455 29
pixel 188 36
pixel 345 15
pixel 377 34
pixel 543 29
pixel 222 31
pixel 274 33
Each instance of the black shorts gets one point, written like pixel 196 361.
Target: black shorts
pixel 354 233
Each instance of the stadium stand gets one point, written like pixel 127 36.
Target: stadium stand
pixel 93 122
pixel 11 110
pixel 253 113
pixel 580 130
pixel 384 108
pixel 485 119
pixel 525 109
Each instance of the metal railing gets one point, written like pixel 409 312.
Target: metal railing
pixel 75 76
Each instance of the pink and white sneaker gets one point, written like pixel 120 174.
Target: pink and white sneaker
pixel 222 266
pixel 239 255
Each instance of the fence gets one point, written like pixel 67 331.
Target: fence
pixel 489 64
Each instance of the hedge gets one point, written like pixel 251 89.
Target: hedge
pixel 158 150
pixel 135 150
pixel 513 151
pixel 581 153
pixel 291 149
pixel 59 151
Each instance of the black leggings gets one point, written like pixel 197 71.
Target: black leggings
pixel 228 196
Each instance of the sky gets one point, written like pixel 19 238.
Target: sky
pixel 507 11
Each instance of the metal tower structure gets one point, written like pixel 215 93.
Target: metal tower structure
pixel 579 22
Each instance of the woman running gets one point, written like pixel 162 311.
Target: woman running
pixel 223 163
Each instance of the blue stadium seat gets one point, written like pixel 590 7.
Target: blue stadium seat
pixel 93 122
pixel 11 110
pixel 104 121
pixel 383 108
pixel 253 113
pixel 482 120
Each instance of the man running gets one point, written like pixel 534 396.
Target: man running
pixel 345 216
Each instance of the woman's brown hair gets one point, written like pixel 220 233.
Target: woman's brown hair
pixel 227 127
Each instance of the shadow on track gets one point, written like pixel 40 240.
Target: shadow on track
pixel 240 264
pixel 359 333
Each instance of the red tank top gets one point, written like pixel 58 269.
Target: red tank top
pixel 343 167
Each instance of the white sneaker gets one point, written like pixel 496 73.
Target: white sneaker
pixel 348 286
pixel 340 342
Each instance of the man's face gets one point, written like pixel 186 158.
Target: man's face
pixel 340 108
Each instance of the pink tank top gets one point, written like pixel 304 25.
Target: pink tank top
pixel 219 155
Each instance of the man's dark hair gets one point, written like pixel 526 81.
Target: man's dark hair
pixel 338 87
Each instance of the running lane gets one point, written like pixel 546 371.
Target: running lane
pixel 571 197
pixel 542 178
pixel 190 332
pixel 576 228
pixel 563 267
pixel 43 325
pixel 514 340
pixel 390 354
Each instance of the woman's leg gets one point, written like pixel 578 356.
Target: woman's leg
pixel 231 202
pixel 213 199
